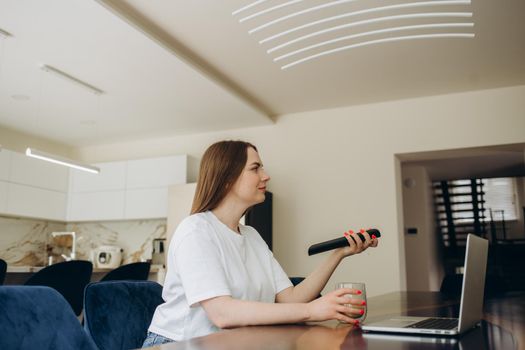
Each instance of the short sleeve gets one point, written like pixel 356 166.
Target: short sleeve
pixel 281 279
pixel 199 264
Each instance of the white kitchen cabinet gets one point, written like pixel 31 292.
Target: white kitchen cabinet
pixel 180 199
pixel 5 160
pixel 156 172
pixel 36 202
pixel 38 173
pixel 93 206
pixel 3 196
pixel 135 189
pixel 146 203
pixel 112 176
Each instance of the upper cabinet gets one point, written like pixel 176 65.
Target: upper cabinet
pixel 5 160
pixel 135 189
pixel 156 172
pixel 36 202
pixel 112 177
pixel 32 188
pixel 38 173
pixel 3 196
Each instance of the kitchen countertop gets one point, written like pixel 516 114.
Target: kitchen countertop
pixel 33 269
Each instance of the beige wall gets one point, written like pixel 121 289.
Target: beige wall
pixel 19 141
pixel 333 170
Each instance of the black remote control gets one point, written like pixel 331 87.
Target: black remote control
pixel 338 242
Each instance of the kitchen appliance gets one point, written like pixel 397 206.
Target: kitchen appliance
pixel 158 256
pixel 108 257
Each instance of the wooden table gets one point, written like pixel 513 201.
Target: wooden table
pixel 503 327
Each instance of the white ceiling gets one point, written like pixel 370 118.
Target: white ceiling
pixel 467 163
pixel 176 67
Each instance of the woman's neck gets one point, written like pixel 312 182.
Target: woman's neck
pixel 229 214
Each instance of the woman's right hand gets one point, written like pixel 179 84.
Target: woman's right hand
pixel 335 306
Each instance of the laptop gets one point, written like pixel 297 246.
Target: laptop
pixel 471 307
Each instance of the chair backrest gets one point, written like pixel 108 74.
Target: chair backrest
pixel 33 317
pixel 68 278
pixel 138 271
pixel 494 285
pixel 117 314
pixel 296 280
pixel 3 270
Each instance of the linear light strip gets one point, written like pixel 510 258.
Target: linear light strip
pixel 375 9
pixel 270 9
pixel 71 78
pixel 5 33
pixel 380 31
pixel 31 152
pixel 247 7
pixel 368 21
pixel 379 41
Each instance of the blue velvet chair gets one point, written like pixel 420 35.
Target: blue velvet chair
pixel 296 280
pixel 33 317
pixel 69 278
pixel 3 270
pixel 117 314
pixel 138 271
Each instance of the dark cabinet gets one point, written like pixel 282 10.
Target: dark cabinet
pixel 260 218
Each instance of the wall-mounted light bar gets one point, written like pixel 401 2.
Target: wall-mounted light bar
pixel 63 75
pixel 5 33
pixel 379 41
pixel 31 152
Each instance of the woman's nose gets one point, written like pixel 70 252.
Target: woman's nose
pixel 265 176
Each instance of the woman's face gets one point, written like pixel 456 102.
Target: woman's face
pixel 251 184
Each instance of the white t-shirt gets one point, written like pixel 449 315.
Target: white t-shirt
pixel 207 259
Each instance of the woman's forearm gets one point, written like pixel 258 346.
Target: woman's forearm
pixel 226 312
pixel 312 285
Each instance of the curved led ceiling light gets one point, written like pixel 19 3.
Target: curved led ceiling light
pixel 244 8
pixel 330 33
pixel 370 10
pixel 369 21
pixel 298 13
pixel 262 12
pixel 379 41
pixel 379 31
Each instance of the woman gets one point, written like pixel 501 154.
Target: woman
pixel 221 274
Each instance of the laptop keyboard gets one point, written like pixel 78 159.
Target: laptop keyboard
pixel 436 323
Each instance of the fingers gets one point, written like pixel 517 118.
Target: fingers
pixel 342 291
pixel 349 311
pixel 351 301
pixel 344 318
pixel 368 240
pixel 351 240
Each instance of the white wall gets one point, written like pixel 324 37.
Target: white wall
pixel 333 170
pixel 424 267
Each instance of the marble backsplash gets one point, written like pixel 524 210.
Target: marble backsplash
pixel 23 241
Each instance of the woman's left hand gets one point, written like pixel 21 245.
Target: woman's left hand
pixel 357 246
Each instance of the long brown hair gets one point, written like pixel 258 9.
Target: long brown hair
pixel 221 165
